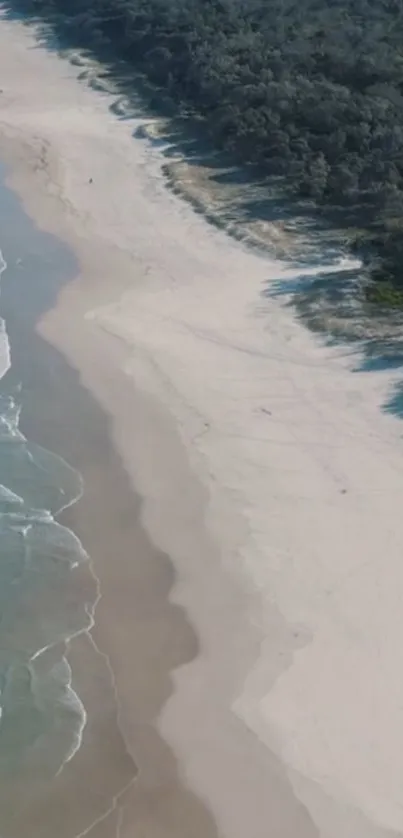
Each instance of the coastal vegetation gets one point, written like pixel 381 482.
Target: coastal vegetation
pixel 311 92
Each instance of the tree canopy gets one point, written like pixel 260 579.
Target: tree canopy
pixel 311 91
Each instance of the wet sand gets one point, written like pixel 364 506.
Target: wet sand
pixel 126 675
pixel 107 787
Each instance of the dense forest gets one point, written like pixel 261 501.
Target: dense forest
pixel 311 90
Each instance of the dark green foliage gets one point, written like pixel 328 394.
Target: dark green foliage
pixel 308 89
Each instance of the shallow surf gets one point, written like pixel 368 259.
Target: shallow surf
pixel 43 603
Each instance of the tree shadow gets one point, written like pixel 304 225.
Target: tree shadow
pixel 332 304
pixel 394 405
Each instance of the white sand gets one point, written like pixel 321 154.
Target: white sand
pixel 290 558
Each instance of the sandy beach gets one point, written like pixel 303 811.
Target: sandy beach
pixel 242 506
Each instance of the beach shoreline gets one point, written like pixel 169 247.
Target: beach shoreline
pixel 123 775
pixel 158 802
pixel 267 474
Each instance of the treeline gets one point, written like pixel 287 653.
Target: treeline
pixel 311 90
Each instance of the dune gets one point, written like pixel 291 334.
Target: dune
pixel 269 472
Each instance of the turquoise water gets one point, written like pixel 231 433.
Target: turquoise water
pixel 42 603
pixel 38 610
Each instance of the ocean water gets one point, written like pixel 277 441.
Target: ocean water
pixel 42 602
